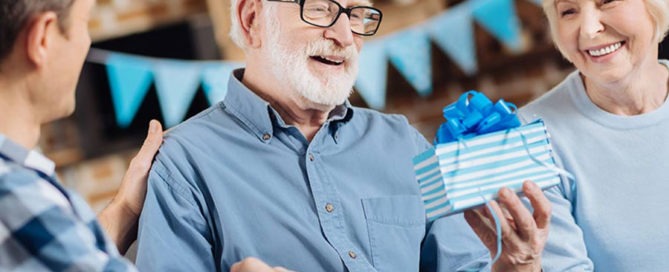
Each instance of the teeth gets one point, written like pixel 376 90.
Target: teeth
pixel 605 51
pixel 337 61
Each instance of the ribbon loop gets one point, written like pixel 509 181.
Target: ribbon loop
pixel 474 114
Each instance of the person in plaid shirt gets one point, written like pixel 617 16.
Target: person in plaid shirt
pixel 43 44
pixel 43 226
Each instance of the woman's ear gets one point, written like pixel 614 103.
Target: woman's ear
pixel 39 34
pixel 248 14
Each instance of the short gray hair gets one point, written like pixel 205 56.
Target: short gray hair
pixel 235 27
pixel 236 33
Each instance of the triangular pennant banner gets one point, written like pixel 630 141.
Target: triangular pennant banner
pixel 176 84
pixel 372 76
pixel 453 32
pixel 409 52
pixel 499 17
pixel 129 79
pixel 215 76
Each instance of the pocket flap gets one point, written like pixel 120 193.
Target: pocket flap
pixel 404 210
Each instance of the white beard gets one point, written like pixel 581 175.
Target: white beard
pixel 290 64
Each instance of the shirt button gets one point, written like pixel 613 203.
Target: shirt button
pixel 311 157
pixel 266 136
pixel 352 254
pixel 329 207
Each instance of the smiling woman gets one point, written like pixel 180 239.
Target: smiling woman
pixel 610 114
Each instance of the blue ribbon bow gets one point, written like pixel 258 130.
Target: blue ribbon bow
pixel 474 114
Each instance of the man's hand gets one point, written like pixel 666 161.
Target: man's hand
pixel 132 192
pixel 120 218
pixel 254 265
pixel 524 234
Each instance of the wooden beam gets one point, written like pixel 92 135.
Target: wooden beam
pixel 397 17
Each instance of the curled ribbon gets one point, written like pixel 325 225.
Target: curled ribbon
pixel 474 114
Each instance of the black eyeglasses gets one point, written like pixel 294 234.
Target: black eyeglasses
pixel 364 20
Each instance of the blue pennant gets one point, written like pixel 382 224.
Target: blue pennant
pixel 453 32
pixel 409 52
pixel 499 17
pixel 215 76
pixel 372 77
pixel 176 84
pixel 129 79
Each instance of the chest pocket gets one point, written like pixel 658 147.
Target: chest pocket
pixel 396 226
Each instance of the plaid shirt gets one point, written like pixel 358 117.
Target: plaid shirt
pixel 43 226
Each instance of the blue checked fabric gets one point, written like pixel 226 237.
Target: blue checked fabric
pixel 456 176
pixel 42 226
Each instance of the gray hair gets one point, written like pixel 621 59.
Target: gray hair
pixel 235 27
pixel 236 33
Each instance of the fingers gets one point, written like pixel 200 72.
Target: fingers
pixel 541 204
pixel 152 142
pixel 508 233
pixel 482 228
pixel 524 221
pixel 252 264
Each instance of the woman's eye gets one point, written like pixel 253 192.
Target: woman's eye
pixel 567 12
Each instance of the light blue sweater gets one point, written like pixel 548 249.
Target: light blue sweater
pixel 615 214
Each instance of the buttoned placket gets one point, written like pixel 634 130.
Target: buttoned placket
pixel 328 202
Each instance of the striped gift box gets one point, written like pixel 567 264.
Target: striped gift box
pixel 456 176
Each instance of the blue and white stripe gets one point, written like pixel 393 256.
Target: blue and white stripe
pixel 459 175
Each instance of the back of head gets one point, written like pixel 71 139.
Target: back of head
pixel 15 14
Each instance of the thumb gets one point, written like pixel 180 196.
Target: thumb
pixel 152 142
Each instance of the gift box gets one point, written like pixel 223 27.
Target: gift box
pixel 480 149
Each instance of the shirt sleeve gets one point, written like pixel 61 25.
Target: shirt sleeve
pixel 565 249
pixel 173 233
pixel 40 231
pixel 451 245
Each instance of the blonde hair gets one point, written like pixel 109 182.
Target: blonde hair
pixel 658 10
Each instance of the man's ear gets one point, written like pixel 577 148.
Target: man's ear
pixel 248 15
pixel 39 32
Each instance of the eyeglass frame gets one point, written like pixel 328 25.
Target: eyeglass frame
pixel 347 11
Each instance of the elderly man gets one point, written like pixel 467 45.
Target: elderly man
pixel 43 227
pixel 286 170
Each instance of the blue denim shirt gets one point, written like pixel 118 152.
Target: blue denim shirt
pixel 235 181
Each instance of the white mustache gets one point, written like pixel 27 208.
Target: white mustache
pixel 329 48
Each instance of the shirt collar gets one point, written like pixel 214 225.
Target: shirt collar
pixel 258 115
pixel 24 157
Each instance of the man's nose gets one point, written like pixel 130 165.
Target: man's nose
pixel 340 32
